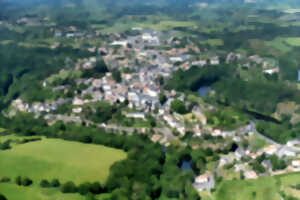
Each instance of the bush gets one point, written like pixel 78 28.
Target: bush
pixel 26 182
pixel 44 184
pixel 19 180
pixel 84 188
pixel 23 181
pixel 55 183
pixel 5 180
pixel 68 187
pixel 95 188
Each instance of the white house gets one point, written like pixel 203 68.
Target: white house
pixel 250 174
pixel 296 163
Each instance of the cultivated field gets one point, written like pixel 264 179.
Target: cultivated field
pixel 55 158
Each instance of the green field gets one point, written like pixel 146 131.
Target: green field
pixel 14 192
pixel 55 158
pixel 264 188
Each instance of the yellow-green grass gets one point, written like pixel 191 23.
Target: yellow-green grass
pixel 14 192
pixel 214 42
pixel 292 11
pixel 293 41
pixel 266 188
pixel 263 188
pixel 284 44
pixel 55 158
pixel 167 24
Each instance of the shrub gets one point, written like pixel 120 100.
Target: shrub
pixel 68 187
pixel 55 183
pixel 19 180
pixel 84 188
pixel 44 184
pixel 5 179
pixel 26 182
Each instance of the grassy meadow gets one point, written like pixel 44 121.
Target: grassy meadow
pixel 264 188
pixel 14 192
pixel 55 158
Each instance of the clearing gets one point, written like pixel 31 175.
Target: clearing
pixel 56 158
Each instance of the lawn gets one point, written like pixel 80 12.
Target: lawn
pixel 264 188
pixel 14 192
pixel 261 189
pixel 55 158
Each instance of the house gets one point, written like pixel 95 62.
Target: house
pixel 216 133
pixel 215 60
pixel 78 102
pixel 293 143
pixel 285 151
pixel 240 153
pixel 271 71
pixel 296 163
pixel 267 164
pixel 176 59
pixel 271 149
pixel 250 174
pixel 156 137
pixel 204 182
pixel 77 110
pixel 119 43
pixel 136 115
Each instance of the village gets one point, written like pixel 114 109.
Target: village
pixel 138 66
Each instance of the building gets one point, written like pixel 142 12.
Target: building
pixel 271 149
pixel 204 182
pixel 250 174
pixel 296 163
pixel 136 115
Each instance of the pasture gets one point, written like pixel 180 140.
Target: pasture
pixel 55 158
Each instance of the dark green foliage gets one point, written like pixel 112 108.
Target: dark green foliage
pixel 277 164
pixel 178 106
pixel 44 183
pixel 196 77
pixel 23 181
pixel 2 197
pixel 116 74
pixel 26 181
pixel 5 145
pixel 162 98
pixel 55 183
pixel 97 71
pixel 68 187
pixel 4 180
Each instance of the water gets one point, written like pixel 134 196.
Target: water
pixel 203 90
pixel 185 166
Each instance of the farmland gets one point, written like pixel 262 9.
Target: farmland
pixel 54 158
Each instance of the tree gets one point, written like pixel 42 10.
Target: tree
pixel 162 98
pixel 68 187
pixel 26 182
pixel 116 74
pixel 19 180
pixel 84 188
pixel 55 183
pixel 178 106
pixel 44 183
pixel 96 188
pixel 2 197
